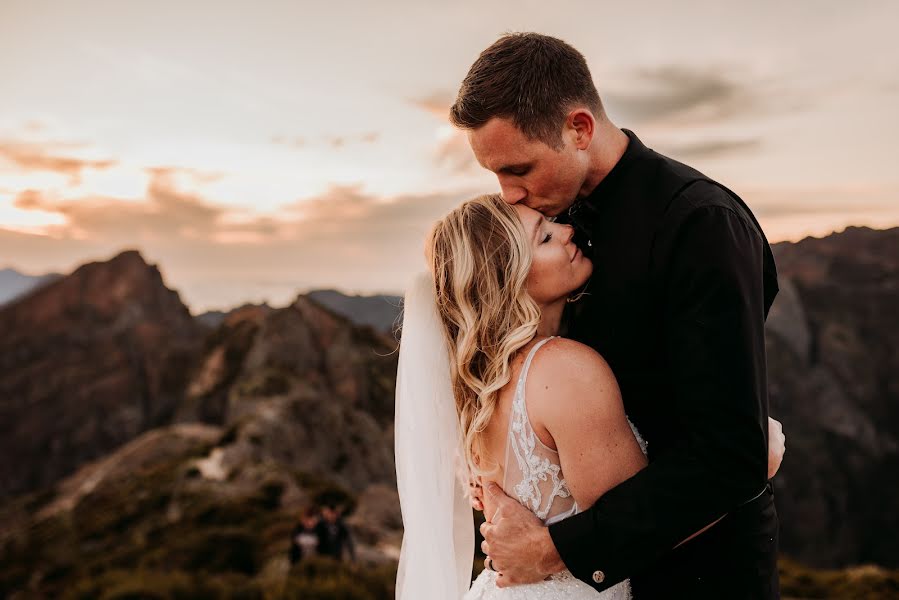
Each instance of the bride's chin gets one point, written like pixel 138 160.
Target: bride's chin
pixel 587 272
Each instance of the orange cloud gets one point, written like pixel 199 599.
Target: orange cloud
pixel 345 237
pixel 455 154
pixel 437 103
pixel 334 141
pixel 195 174
pixel 38 157
pixel 165 212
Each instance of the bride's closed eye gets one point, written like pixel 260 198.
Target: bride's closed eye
pixel 548 237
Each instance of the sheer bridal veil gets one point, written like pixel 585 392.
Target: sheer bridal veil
pixel 438 539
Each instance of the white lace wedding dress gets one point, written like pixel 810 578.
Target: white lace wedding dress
pixel 534 476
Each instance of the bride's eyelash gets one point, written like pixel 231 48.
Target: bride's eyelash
pixel 548 237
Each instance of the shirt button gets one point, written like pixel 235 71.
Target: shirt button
pixel 599 576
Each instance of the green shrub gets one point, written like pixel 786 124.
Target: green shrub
pixel 321 578
pixel 217 550
pixel 164 585
pixel 858 583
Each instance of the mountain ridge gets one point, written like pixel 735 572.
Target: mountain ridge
pixel 127 414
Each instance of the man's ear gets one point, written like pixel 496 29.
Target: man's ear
pixel 582 124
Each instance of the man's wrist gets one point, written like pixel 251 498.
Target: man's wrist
pixel 550 561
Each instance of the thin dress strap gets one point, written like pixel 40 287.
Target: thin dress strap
pixel 527 362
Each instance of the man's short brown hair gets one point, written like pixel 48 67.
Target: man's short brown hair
pixel 530 78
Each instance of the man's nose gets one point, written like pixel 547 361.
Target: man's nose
pixel 513 194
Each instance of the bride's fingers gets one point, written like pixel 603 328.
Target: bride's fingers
pixel 485 548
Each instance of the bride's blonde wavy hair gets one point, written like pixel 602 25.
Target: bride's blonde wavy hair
pixel 480 258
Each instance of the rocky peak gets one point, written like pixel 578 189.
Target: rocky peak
pixel 87 362
pixel 119 292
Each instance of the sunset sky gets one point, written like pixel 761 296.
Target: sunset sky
pixel 255 150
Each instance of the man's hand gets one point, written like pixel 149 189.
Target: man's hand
pixel 517 543
pixel 776 446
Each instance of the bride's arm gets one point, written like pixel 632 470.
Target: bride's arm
pixel 575 404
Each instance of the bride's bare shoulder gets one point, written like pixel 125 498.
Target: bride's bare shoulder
pixel 562 356
pixel 563 371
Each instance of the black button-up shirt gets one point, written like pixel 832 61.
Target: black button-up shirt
pixel 682 283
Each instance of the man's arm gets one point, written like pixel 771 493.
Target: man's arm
pixel 714 330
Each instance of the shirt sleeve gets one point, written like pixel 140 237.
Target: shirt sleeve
pixel 713 320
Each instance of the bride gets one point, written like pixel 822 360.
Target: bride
pixel 487 388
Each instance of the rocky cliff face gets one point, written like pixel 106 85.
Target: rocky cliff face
pixel 95 358
pixel 833 354
pixel 148 439
pixel 88 362
pixel 303 386
pixel 220 434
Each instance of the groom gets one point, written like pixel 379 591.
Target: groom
pixel 683 280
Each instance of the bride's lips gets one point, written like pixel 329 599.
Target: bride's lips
pixel 577 252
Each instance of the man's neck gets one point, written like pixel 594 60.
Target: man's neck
pixel 608 146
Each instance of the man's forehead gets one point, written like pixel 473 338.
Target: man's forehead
pixel 497 148
pixel 497 129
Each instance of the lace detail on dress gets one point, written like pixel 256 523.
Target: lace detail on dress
pixel 561 586
pixel 637 435
pixel 541 480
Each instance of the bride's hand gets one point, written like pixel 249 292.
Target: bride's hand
pixel 776 446
pixel 477 493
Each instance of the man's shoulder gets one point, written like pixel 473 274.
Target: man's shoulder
pixel 708 197
pixel 663 171
pixel 680 189
pixel 705 209
pixel 690 186
pixel 679 192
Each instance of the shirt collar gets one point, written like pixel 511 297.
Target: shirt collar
pixel 609 185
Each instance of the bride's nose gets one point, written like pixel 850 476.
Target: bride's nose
pixel 569 229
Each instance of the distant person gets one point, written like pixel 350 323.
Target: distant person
pixel 334 537
pixel 305 539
